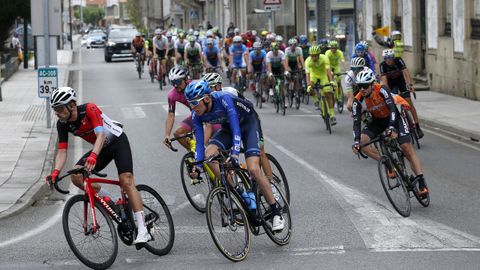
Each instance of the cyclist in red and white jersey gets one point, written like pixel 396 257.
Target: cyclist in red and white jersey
pixel 109 143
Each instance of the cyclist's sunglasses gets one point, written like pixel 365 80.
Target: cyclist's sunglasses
pixel 195 102
pixel 363 85
pixel 176 83
pixel 357 69
pixel 389 57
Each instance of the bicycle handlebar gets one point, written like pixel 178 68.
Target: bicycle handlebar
pixel 70 172
pixel 187 135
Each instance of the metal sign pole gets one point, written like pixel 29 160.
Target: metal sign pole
pixel 46 37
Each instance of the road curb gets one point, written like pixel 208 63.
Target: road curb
pixel 38 189
pixel 451 131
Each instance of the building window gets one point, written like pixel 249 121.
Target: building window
pixel 475 21
pixel 447 10
pixel 397 20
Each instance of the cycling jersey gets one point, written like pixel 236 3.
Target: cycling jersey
pixel 171 48
pixel 160 43
pixel 335 59
pixel 149 44
pixel 318 70
pixel 238 121
pixel 193 52
pixel 212 55
pixel 305 50
pixel 292 57
pixel 180 46
pixel 258 60
pixel 381 106
pixel 394 74
pixel 276 61
pixel 138 43
pixel 238 51
pixel 350 85
pixel 89 122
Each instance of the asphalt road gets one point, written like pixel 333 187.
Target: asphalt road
pixel 341 216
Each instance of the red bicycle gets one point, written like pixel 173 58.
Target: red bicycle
pixel 93 238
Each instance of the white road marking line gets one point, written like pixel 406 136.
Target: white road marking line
pixel 179 110
pixel 305 110
pixel 383 229
pixel 134 104
pixel 133 112
pixel 186 203
pixel 433 132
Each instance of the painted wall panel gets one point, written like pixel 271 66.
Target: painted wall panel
pixel 458 25
pixel 407 23
pixel 432 24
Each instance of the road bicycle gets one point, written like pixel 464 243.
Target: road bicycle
pixel 258 78
pixel 197 190
pixel 305 95
pixel 338 93
pixel 93 238
pixel 240 81
pixel 229 219
pixel 195 69
pixel 323 106
pixel 138 64
pixel 160 64
pixel 397 181
pixel 294 89
pixel 278 93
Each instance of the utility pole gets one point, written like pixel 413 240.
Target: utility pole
pixel 323 18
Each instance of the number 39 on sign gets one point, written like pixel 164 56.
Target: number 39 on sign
pixel 47 81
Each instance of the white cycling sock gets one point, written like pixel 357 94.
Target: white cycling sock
pixel 140 217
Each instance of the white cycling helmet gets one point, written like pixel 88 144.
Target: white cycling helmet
pixel 365 76
pixel 169 34
pixel 209 41
pixel 209 33
pixel 177 72
pixel 292 42
pixel 237 39
pixel 212 78
pixel 388 53
pixel 158 31
pixel 62 96
pixel 279 39
pixel 364 43
pixel 357 62
pixel 236 31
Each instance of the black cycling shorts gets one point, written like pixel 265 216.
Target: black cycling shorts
pixel 161 53
pixel 119 151
pixel 379 125
pixel 401 90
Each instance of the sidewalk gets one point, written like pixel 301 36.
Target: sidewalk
pixel 24 138
pixel 453 114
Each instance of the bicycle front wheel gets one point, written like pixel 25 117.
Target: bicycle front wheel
pixel 96 249
pixel 228 224
pixel 282 237
pixel 158 221
pixel 394 187
pixel 195 189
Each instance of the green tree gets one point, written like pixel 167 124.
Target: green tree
pixel 91 15
pixel 134 12
pixel 9 11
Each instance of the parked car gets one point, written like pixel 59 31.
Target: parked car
pixel 118 43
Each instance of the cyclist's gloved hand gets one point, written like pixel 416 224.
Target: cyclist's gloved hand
pixel 233 159
pixel 286 73
pixel 270 74
pixel 52 178
pixel 167 141
pixel 91 161
pixel 356 147
pixel 309 89
pixel 392 132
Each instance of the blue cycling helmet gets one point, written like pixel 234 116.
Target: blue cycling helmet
pixel 323 42
pixel 196 89
pixel 360 48
pixel 303 39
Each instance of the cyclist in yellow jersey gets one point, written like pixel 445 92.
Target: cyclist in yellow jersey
pixel 317 68
pixel 335 56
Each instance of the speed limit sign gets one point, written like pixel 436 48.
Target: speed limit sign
pixel 47 81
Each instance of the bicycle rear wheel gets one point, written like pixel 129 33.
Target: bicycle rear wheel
pixel 279 176
pixel 158 221
pixel 196 190
pixel 394 188
pixel 98 249
pixel 340 99
pixel 228 224
pixel 282 237
pixel 282 103
pixel 325 115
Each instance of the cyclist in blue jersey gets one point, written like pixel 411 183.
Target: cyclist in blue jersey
pixel 238 57
pixel 257 64
pixel 211 56
pixel 361 51
pixel 239 124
